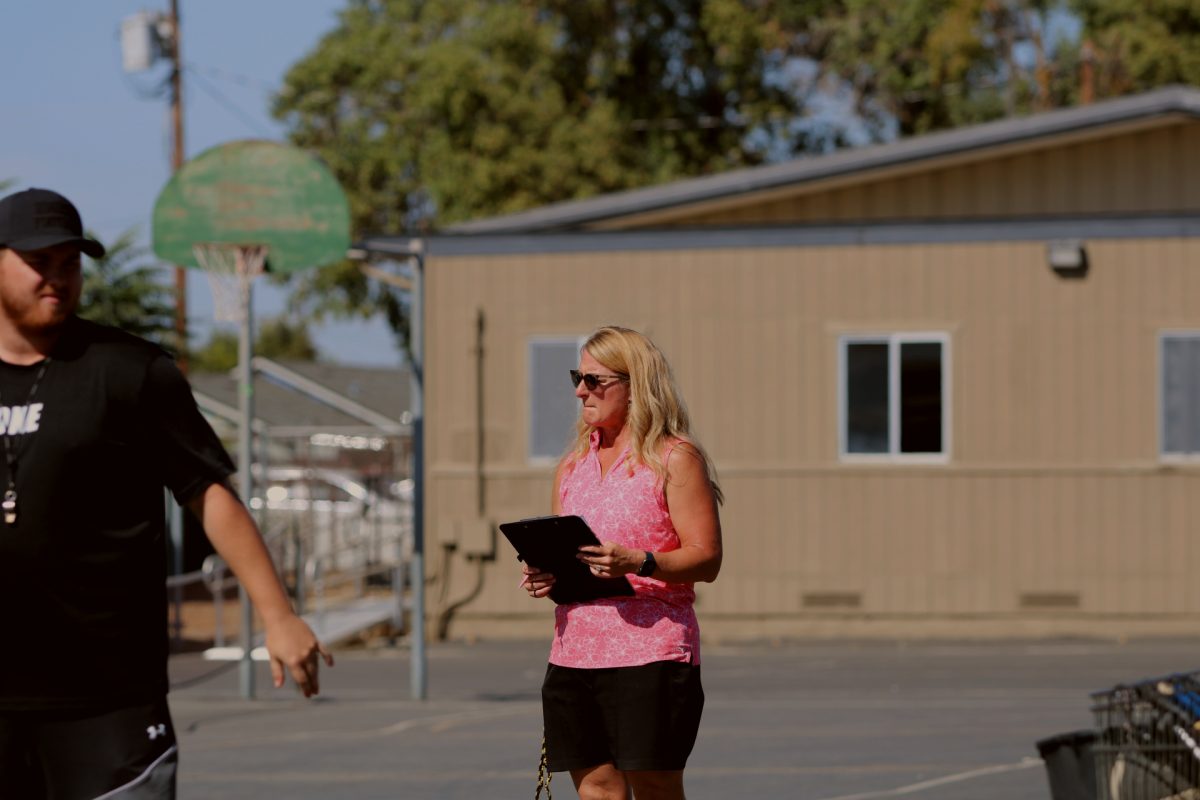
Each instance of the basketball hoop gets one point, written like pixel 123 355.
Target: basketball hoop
pixel 230 269
pixel 289 205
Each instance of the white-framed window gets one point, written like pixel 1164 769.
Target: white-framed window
pixel 1179 395
pixel 894 397
pixel 553 407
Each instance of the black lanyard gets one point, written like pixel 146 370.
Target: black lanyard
pixel 9 503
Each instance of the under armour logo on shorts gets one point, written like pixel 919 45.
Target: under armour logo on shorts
pixel 155 731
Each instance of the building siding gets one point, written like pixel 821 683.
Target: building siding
pixel 1145 171
pixel 1053 501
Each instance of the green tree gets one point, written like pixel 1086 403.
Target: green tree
pixel 436 111
pixel 1136 45
pixel 285 340
pixel 278 338
pixel 123 289
pixel 431 112
pixel 914 66
pixel 218 354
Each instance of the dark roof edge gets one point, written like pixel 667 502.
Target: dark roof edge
pixel 1152 226
pixel 559 216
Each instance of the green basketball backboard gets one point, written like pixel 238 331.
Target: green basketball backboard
pixel 254 192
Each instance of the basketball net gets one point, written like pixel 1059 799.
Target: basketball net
pixel 230 269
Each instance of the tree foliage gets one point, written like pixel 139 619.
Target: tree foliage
pixel 1136 45
pixel 278 338
pixel 123 290
pixel 218 354
pixel 436 111
pixel 913 66
pixel 283 339
pixel 430 112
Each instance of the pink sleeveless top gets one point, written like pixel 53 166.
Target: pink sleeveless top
pixel 659 622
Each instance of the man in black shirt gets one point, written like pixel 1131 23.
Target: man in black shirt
pixel 94 423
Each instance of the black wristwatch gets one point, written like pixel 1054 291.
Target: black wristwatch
pixel 648 566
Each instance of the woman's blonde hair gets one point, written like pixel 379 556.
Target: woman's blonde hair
pixel 656 414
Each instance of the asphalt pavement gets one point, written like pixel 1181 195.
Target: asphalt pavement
pixel 812 720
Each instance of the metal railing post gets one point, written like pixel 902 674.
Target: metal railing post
pixel 316 577
pixel 175 516
pixel 298 569
pixel 214 577
pixel 245 459
pixel 398 596
pixel 419 685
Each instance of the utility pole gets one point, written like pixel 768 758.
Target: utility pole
pixel 147 38
pixel 177 162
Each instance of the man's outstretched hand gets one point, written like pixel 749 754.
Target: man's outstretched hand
pixel 294 648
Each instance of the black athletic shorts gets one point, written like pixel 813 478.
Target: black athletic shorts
pixel 127 753
pixel 638 718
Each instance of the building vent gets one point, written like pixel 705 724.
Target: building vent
pixel 832 600
pixel 1049 600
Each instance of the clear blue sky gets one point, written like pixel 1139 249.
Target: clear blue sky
pixel 75 122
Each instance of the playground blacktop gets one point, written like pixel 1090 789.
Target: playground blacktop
pixel 812 720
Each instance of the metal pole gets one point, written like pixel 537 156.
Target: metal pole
pixel 298 556
pixel 175 513
pixel 261 443
pixel 416 574
pixel 417 578
pixel 245 455
pixel 176 163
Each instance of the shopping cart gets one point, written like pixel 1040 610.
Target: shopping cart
pixel 1147 744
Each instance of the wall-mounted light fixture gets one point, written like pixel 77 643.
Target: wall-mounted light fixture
pixel 1067 257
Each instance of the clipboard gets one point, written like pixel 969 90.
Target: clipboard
pixel 550 543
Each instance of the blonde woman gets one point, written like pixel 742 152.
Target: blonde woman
pixel 622 697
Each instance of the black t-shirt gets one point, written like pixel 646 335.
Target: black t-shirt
pixel 82 572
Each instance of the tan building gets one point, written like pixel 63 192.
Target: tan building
pixel 951 384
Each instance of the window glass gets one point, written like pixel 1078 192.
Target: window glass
pixel 553 407
pixel 867 397
pixel 920 397
pixel 894 395
pixel 1181 394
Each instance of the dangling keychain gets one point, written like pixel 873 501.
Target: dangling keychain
pixel 9 504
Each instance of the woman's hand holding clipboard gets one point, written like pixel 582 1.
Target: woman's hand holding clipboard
pixel 551 544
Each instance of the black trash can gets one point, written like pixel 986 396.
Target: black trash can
pixel 1069 765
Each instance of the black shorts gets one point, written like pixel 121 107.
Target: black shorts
pixel 638 718
pixel 127 753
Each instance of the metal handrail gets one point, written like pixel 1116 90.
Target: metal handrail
pixel 184 579
pixel 313 579
pixel 213 570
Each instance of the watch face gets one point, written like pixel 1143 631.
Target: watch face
pixel 648 566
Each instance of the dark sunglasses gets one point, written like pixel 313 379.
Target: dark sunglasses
pixel 593 382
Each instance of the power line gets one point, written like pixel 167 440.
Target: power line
pixel 246 81
pixel 216 95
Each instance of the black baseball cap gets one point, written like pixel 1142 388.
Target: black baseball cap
pixel 39 218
